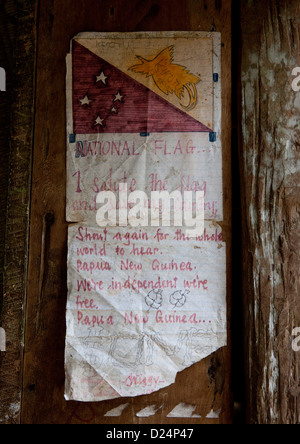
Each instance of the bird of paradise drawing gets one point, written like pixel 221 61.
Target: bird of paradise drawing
pixel 169 77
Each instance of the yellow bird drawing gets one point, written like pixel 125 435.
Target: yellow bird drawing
pixel 169 77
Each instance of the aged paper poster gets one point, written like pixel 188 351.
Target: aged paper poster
pixel 146 292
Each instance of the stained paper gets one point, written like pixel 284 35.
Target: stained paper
pixel 145 300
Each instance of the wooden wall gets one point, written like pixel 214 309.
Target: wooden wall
pixel 205 386
pixel 18 34
pixel 270 172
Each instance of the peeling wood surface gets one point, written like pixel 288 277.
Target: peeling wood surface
pixel 202 393
pixel 271 195
pixel 22 15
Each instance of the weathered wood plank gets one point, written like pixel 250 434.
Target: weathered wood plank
pixel 7 35
pixel 205 386
pixel 270 197
pixel 21 69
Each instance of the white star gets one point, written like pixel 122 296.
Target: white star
pixel 118 97
pixel 113 110
pixel 99 121
pixel 85 100
pixel 102 78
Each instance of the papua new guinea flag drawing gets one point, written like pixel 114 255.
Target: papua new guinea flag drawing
pixel 107 100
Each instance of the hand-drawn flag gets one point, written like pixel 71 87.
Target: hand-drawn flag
pixel 107 100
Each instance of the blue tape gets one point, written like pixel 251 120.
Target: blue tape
pixel 212 137
pixel 72 138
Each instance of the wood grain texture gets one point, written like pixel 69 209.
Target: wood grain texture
pixel 7 35
pixel 205 386
pixel 270 195
pixel 21 70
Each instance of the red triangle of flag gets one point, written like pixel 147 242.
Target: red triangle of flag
pixel 106 100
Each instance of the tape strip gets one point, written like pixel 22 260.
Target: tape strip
pixel 212 137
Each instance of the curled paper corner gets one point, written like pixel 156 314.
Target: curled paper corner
pixel 2 340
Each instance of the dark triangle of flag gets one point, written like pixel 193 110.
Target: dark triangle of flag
pixel 106 100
